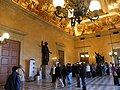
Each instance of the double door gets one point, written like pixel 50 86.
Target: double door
pixel 9 57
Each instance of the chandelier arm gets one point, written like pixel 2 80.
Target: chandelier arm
pixel 59 13
pixel 94 18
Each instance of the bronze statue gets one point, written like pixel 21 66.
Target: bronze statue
pixel 45 53
pixel 99 58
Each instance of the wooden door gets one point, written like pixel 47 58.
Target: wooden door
pixel 84 59
pixel 10 56
pixel 61 57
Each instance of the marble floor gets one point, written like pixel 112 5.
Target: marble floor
pixel 97 83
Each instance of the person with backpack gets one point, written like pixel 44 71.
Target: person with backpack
pixel 13 81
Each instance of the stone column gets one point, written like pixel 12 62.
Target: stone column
pixel 45 72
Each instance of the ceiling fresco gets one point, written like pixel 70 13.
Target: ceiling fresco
pixel 109 16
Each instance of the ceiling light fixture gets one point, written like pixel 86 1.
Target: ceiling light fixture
pixel 77 10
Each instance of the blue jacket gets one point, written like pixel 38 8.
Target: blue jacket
pixel 13 82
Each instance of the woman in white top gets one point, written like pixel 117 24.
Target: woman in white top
pixel 52 72
pixel 22 76
pixel 88 70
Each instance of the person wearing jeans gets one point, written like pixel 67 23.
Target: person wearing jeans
pixel 69 68
pixel 58 76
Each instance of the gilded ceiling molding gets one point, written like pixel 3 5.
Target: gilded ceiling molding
pixel 102 34
pixel 6 4
pixel 109 19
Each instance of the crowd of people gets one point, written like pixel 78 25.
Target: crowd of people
pixel 64 74
pixel 81 71
pixel 61 73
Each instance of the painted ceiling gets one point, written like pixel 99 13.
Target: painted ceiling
pixel 109 16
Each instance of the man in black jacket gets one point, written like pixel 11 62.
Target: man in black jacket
pixel 58 75
pixel 64 74
pixel 82 75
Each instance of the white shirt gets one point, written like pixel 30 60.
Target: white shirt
pixel 88 68
pixel 54 70
pixel 21 74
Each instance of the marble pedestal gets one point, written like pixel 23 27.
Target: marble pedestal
pixel 45 72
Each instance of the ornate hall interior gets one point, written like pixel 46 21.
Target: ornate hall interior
pixel 31 22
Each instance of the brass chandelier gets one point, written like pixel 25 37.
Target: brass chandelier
pixel 77 10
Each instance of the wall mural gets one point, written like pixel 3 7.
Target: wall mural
pixel 43 8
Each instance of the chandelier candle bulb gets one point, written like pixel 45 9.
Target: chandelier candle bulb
pixel 58 3
pixel 94 5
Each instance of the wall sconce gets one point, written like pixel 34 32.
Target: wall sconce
pixel 54 58
pixel 4 38
pixel 113 53
pixel 84 55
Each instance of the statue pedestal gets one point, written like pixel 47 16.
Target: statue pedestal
pixel 45 72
